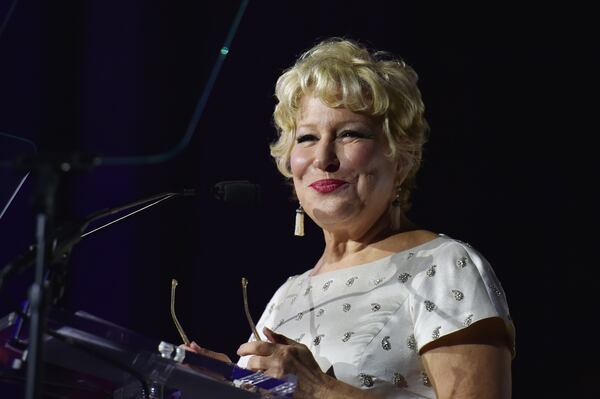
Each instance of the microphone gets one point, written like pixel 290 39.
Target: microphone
pixel 239 192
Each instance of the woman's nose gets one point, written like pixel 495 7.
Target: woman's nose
pixel 326 158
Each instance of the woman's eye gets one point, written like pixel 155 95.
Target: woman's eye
pixel 354 134
pixel 305 138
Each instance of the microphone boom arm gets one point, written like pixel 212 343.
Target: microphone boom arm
pixel 70 234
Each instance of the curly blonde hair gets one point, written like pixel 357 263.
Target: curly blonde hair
pixel 344 73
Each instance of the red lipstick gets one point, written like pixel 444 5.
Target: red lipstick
pixel 327 185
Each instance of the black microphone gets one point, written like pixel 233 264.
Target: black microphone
pixel 239 192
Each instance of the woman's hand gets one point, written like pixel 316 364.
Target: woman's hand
pixel 194 347
pixel 282 356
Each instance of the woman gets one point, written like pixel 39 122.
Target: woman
pixel 388 310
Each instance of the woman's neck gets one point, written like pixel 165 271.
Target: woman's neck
pixel 344 248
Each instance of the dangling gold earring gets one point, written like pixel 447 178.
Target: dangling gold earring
pixel 396 202
pixel 299 225
pixel 396 210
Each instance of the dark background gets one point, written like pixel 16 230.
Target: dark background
pixel 511 97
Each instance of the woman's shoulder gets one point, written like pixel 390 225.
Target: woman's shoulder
pixel 436 246
pixel 408 240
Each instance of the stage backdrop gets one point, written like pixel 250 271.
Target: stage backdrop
pixel 507 92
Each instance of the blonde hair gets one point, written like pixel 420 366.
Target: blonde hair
pixel 343 73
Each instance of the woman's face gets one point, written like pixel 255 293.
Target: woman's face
pixel 341 174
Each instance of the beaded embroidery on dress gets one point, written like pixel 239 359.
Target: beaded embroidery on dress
pixel 369 321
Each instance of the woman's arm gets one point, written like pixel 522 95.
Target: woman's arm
pixel 471 363
pixel 283 356
pixel 336 389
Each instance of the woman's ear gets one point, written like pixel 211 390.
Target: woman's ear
pixel 402 168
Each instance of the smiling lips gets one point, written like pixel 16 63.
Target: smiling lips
pixel 327 185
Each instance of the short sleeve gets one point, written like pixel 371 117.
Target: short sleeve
pixel 458 289
pixel 267 317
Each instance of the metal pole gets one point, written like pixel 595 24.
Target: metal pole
pixel 37 319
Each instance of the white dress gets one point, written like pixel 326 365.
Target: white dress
pixel 369 321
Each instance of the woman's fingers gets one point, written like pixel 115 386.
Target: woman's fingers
pixel 277 338
pixel 282 355
pixel 260 348
pixel 194 347
pixel 270 365
pixel 279 356
pixel 259 363
pixel 188 347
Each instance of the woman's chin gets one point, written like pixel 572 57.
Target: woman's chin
pixel 332 217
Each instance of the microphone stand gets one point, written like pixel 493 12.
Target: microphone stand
pixel 52 249
pixel 47 183
pixel 48 169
